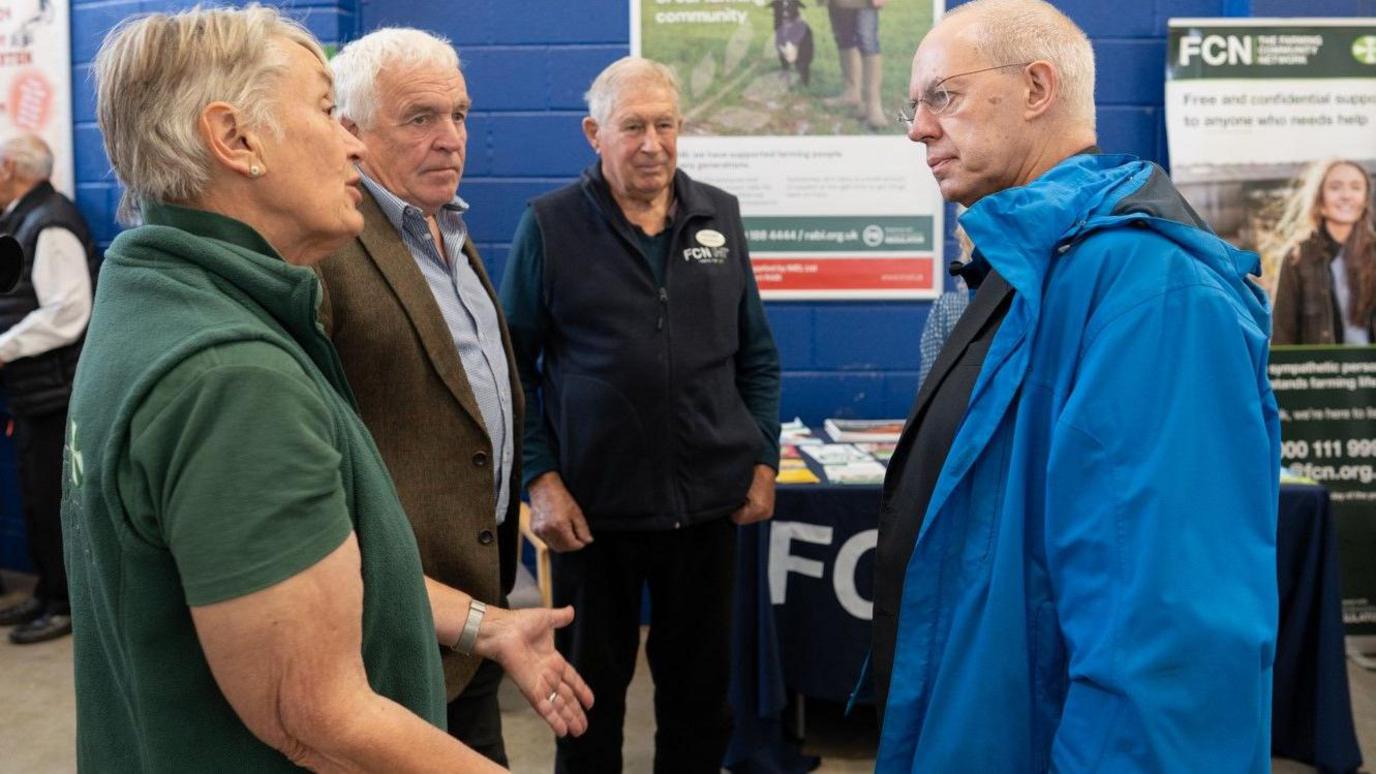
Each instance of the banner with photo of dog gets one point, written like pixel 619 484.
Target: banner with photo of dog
pixel 1271 125
pixel 792 106
pixel 36 78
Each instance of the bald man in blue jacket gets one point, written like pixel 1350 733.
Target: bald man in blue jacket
pixel 1076 567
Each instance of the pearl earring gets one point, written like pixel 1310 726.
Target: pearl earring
pixel 255 171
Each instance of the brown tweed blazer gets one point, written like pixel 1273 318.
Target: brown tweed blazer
pixel 415 398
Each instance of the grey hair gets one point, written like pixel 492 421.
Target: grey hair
pixel 33 159
pixel 357 65
pixel 606 88
pixel 154 76
pixel 1012 31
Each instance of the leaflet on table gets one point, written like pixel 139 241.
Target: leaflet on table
pixel 872 430
pixel 836 453
pixel 795 471
pixel 866 472
pixel 795 433
pixel 881 451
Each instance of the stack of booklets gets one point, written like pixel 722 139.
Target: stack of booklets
pixel 793 470
pixel 866 430
pixel 862 447
pixel 846 464
pixel 880 451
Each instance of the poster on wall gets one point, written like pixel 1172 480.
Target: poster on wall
pixel 1271 125
pixel 36 78
pixel 1253 106
pixel 837 202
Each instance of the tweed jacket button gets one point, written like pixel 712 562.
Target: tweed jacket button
pixel 480 459
pixel 486 537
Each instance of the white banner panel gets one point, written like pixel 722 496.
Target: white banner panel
pixel 36 78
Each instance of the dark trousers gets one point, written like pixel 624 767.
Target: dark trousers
pixel 690 573
pixel 38 447
pixel 474 717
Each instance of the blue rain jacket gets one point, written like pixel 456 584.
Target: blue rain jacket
pixel 1094 584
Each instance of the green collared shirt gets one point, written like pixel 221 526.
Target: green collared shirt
pixel 214 451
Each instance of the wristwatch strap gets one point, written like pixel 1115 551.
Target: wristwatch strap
pixel 469 637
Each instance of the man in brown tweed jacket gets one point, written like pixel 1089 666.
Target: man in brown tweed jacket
pixel 412 312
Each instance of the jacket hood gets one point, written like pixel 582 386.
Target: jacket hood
pixel 1022 231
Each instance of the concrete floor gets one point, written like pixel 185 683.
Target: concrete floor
pixel 37 718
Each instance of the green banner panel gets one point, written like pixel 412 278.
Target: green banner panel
pixel 1327 398
pixel 1271 52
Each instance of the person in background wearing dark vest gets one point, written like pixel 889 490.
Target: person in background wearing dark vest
pixel 653 382
pixel 44 320
pixel 409 307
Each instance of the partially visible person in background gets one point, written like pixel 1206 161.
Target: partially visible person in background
pixel 1326 293
pixel 949 306
pixel 43 319
pixel 855 28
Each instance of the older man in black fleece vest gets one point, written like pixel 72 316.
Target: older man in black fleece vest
pixel 654 422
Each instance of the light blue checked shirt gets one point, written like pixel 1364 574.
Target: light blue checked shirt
pixel 941 321
pixel 469 313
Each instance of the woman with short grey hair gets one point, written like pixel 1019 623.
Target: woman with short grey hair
pixel 246 589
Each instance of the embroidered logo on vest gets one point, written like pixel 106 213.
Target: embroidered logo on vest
pixel 713 249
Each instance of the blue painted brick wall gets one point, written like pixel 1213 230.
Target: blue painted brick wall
pixel 528 62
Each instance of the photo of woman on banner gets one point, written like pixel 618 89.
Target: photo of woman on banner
pixel 1326 292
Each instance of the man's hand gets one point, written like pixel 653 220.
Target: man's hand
pixel 556 517
pixel 759 501
pixel 522 641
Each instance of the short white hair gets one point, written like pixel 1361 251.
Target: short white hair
pixel 629 70
pixel 154 76
pixel 1013 31
pixel 33 159
pixel 356 67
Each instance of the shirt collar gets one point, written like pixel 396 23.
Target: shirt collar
pixel 398 210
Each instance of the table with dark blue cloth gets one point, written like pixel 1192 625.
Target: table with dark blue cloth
pixel 803 626
pixel 1311 715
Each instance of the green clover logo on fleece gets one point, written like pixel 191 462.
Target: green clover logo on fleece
pixel 74 454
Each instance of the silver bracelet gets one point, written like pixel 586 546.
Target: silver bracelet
pixel 469 637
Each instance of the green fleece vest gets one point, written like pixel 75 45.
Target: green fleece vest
pixel 213 450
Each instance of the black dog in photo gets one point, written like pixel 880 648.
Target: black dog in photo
pixel 792 38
